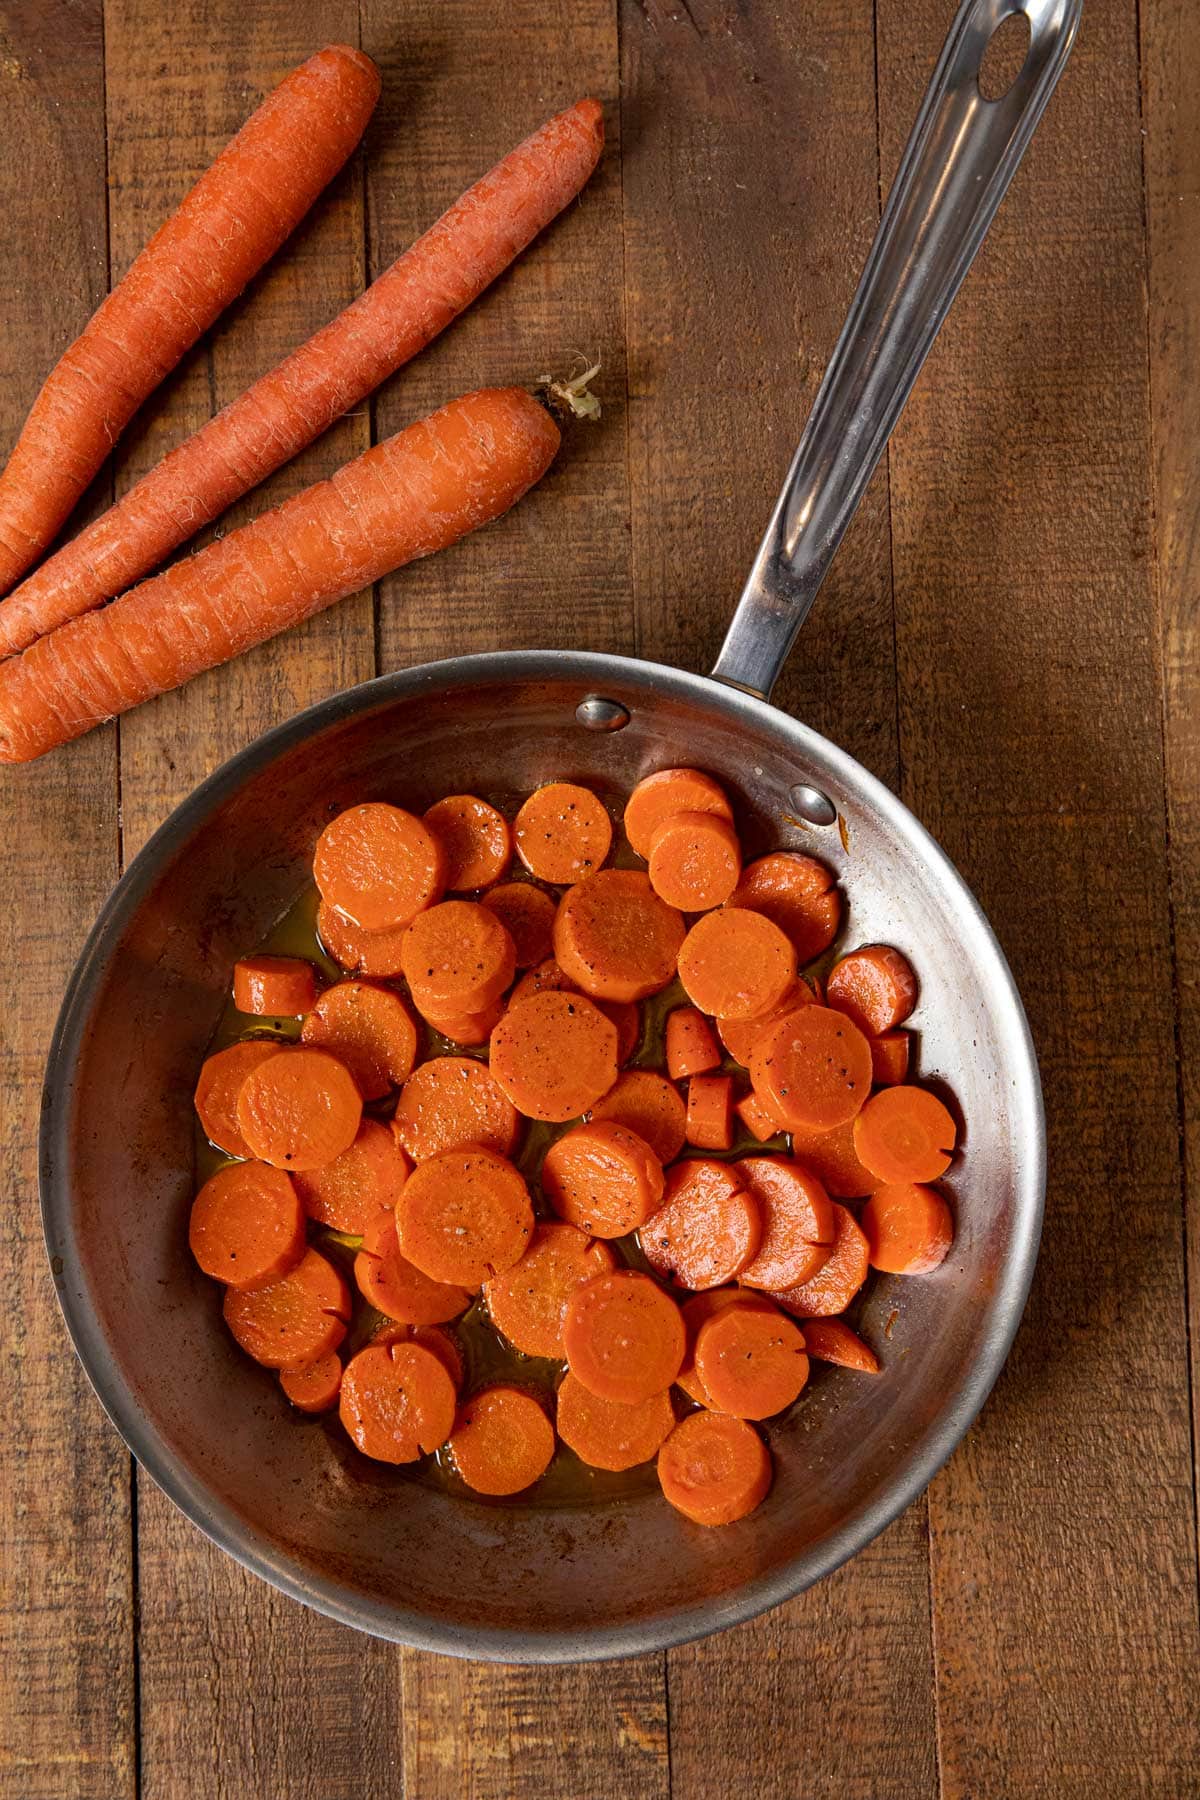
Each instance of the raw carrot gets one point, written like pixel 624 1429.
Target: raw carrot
pixel 751 1361
pixel 528 1301
pixel 874 986
pixel 372 953
pixel 692 1048
pixel 707 1228
pixel 299 1109
pixel 396 1287
pixel 797 893
pixel 502 1441
pixel 417 492
pixel 220 1083
pixel 470 1028
pixel 475 840
pixel 623 1336
pixel 905 1134
pixel 890 1057
pixel 838 1279
pixel 397 1401
pixel 247 1225
pixel 279 986
pixel 545 978
pixel 603 1178
pixel 646 1102
pixel 457 958
pixel 657 797
pixel 554 1055
pixel 739 1036
pixel 314 1387
pixel 797 1221
pixel 435 1338
pixel 606 1435
pixel 287 408
pixel 368 1028
pixel 832 1158
pixel 832 1341
pixel 450 1102
pixel 295 1320
pixel 230 223
pixel 695 860
pixel 736 964
pixel 812 1069
pixel 908 1229
pixel 379 866
pixel 527 914
pixel 562 832
pixel 615 938
pixel 755 1117
pixel 364 1180
pixel 710 1112
pixel 714 1469
pixel 464 1216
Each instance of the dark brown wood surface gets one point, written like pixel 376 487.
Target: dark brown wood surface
pixel 1011 638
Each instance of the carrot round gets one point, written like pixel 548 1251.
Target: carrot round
pixel 554 1055
pixel 812 1069
pixel 562 833
pixel 397 1401
pixel 450 1102
pixel 418 492
pixel 602 1178
pixel 528 1301
pixel 364 1180
pixel 832 1341
pixel 378 865
pixel 282 987
pixel 908 1229
pixel 247 1225
pixel 623 1336
pixel 695 1310
pixel 369 1029
pixel 739 1036
pixel 502 1441
pixel 874 986
pixel 695 860
pixel 457 958
pixel 797 1221
pixel 295 1320
pixel 299 1109
pixel 464 1216
pixel 314 1387
pixel 220 1083
pixel 606 1435
pixel 626 1015
pixel 905 1134
pixel 228 225
pixel 375 954
pixel 470 1028
pixel 707 1228
pixel 435 1338
pixel 797 893
pixel 890 1057
pixel 710 1112
pixel 714 1469
pixel 615 938
pixel 692 1048
pixel 475 840
pixel 832 1158
pixel 736 964
pixel 527 914
pixel 395 1287
pixel 751 1361
pixel 838 1279
pixel 544 978
pixel 646 1102
pixel 757 1120
pixel 658 797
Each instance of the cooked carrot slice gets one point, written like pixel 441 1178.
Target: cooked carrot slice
pixel 372 953
pixel 603 1178
pixel 562 833
pixel 626 1015
pixel 696 1309
pixel 739 1036
pixel 457 958
pixel 838 1279
pixel 874 986
pixel 714 1469
pixel 220 1083
pixel 314 1388
pixel 905 1134
pixel 464 1216
pixel 755 1117
pixel 751 1361
pixel 364 1180
pixel 889 1058
pixel 435 1338
pixel 299 1109
pixel 554 1055
pixel 397 1401
pixel 736 964
pixel 527 914
pixel 528 1301
pixel 812 1069
pixel 379 866
pixel 615 938
pixel 469 1029
pixel 370 1029
pixel 908 1229
pixel 832 1158
pixel 450 1102
pixel 282 987
pixel 832 1341
pixel 623 1336
pixel 646 1102
pixel 692 1047
pixel 695 860
pixel 707 1228
pixel 295 1320
pixel 710 1112
pixel 395 1287
pixel 247 1225
pixel 606 1435
pixel 475 839
pixel 797 893
pixel 545 978
pixel 797 1221
pixel 658 797
pixel 502 1441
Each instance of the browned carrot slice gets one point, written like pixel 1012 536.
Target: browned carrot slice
pixel 615 938
pixel 457 958
pixel 475 839
pixel 695 860
pixel 797 1221
pixel 299 1109
pixel 395 1287
pixel 739 1036
pixel 364 1180
pixel 314 1388
pixel 904 1134
pixel 623 1336
pixel 294 1321
pixel 554 1055
pixel 692 1047
pixel 646 1102
pixel 797 893
pixel 838 1279
pixel 464 1216
pixel 247 1225
pixel 528 1301
pixel 370 1029
pixel 751 1361
pixel 874 986
pixel 707 1228
pixel 281 987
pixel 562 833
pixel 502 1441
pixel 832 1341
pixel 755 1117
pixel 397 1401
pixel 658 797
pixel 710 1112
pixel 626 1015
pixel 831 1157
pixel 812 1069
pixel 450 1102
pixel 736 964
pixel 220 1083
pixel 435 1338
pixel 602 1178
pixel 908 1229
pixel 379 866
pixel 889 1058
pixel 696 1309
pixel 714 1469
pixel 527 914
pixel 606 1435
pixel 373 953
pixel 469 1029
pixel 545 978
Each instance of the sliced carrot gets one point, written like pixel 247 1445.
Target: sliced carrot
pixel 545 978
pixel 739 1036
pixel 656 798
pixel 282 987
pixel 294 1321
pixel 736 964
pixel 379 866
pixel 832 1341
pixel 838 1279
pixel 527 914
pixel 457 958
pixel 475 840
pixel 714 1469
pixel 908 1229
pixel 364 1180
pixel 528 1301
pixel 646 1102
pixel 695 860
pixel 626 1015
pixel 554 1055
pixel 450 1102
pixel 707 1228
pixel 710 1112
pixel 396 1287
pixel 623 1336
pixel 397 1401
pixel 797 893
pixel 370 1029
pixel 812 1069
pixel 220 1083
pixel 751 1361
pixel 905 1134
pixel 832 1158
pixel 890 1057
pixel 502 1441
pixel 247 1225
pixel 692 1047
pixel 615 938
pixel 435 1338
pixel 695 1310
pixel 602 1178
pixel 372 953
pixel 299 1109
pixel 314 1387
pixel 874 986
pixel 755 1117
pixel 562 833
pixel 469 1029
pixel 607 1435
pixel 464 1216
pixel 797 1221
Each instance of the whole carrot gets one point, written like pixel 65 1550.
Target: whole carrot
pixel 236 217
pixel 421 490
pixel 415 299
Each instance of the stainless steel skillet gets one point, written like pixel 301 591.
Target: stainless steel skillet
pixel 578 1580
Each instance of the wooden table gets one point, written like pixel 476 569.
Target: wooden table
pixel 1010 640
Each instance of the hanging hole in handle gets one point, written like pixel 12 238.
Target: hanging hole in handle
pixel 1004 57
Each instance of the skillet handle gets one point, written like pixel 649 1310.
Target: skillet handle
pixel 960 158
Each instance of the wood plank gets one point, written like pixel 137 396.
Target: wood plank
pixel 1065 1617
pixel 67 1685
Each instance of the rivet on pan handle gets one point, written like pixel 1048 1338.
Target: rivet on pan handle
pixel 963 152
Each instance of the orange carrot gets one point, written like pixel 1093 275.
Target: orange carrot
pixel 755 1117
pixel 417 492
pixel 464 1216
pixel 562 832
pixel 368 1028
pixel 295 1320
pixel 247 1226
pixel 874 986
pixel 545 978
pixel 364 1180
pixel 656 798
pixel 797 1221
pixel 299 1109
pixel 812 1069
pixel 695 861
pixel 710 1112
pixel 615 938
pixel 714 1469
pixel 623 1336
pixel 707 1228
pixel 908 1229
pixel 502 1441
pixel 554 1055
pixel 220 1083
pixel 606 1435
pixel 435 1338
pixel 230 223
pixel 458 958
pixel 692 1048
pixel 395 1287
pixel 475 840
pixel 372 953
pixel 467 1028
pixel 527 914
pixel 282 987
pixel 379 866
pixel 905 1134
pixel 736 964
pixel 739 1036
pixel 314 1387
pixel 797 894
pixel 646 1102
pixel 450 1102
pixel 751 1361
pixel 838 1279
pixel 528 1301
pixel 696 1309
pixel 832 1341
pixel 397 1401
pixel 602 1178
pixel 831 1157
pixel 890 1057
